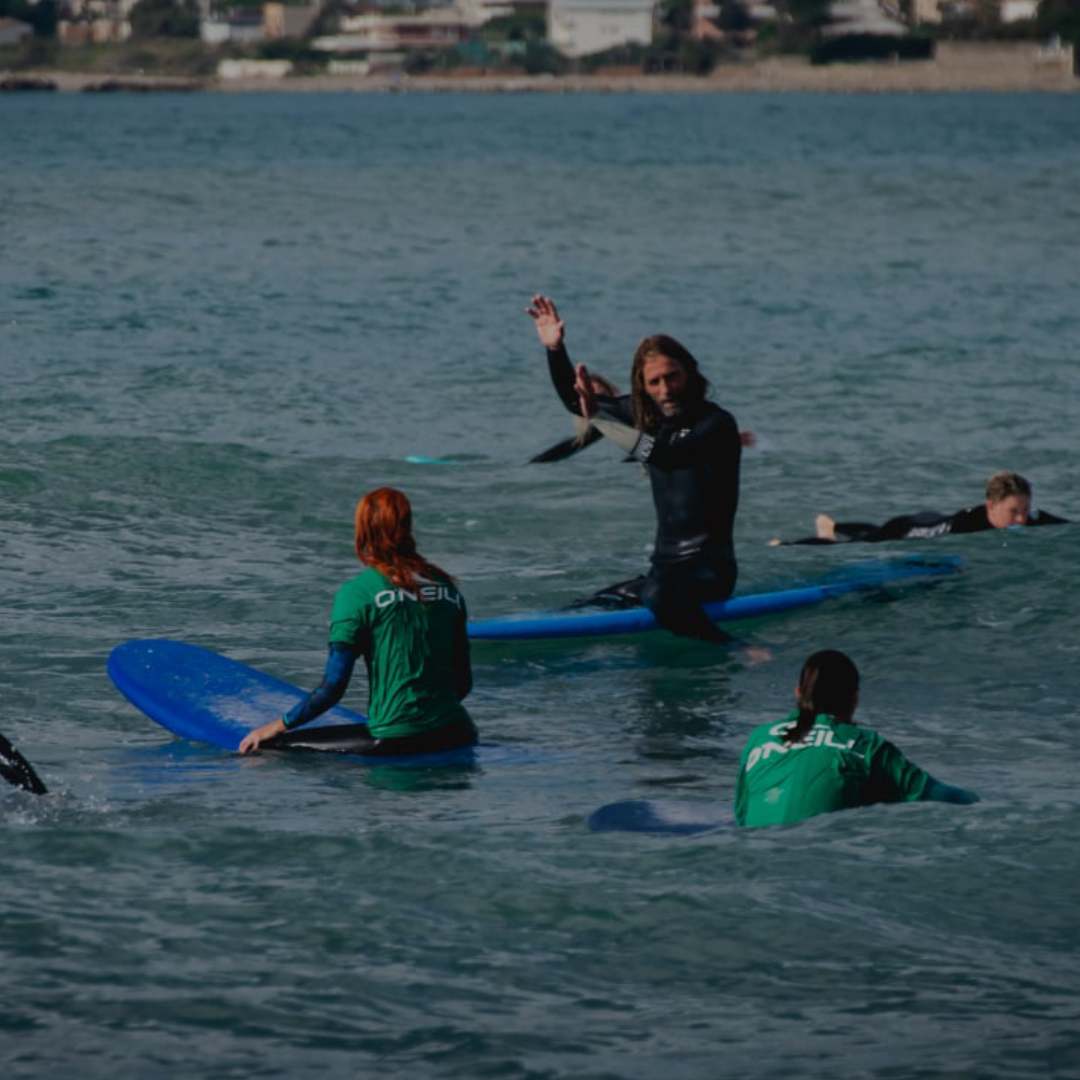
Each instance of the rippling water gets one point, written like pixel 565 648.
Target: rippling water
pixel 223 318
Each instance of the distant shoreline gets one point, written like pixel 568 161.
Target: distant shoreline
pixel 956 68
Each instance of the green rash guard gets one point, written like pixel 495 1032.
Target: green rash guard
pixel 411 642
pixel 835 766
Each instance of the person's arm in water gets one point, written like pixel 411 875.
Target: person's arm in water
pixel 936 791
pixel 340 661
pixel 894 778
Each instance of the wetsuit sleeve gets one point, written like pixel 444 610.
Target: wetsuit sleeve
pixel 939 792
pixel 893 778
pixel 673 448
pixel 340 661
pixel 563 379
pixel 1042 517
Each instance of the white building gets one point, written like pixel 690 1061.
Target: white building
pixel 580 27
pixel 436 28
pixel 244 27
pixel 1015 10
pixel 861 17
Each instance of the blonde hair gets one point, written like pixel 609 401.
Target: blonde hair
pixel 1003 484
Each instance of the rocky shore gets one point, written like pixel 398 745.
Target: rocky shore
pixel 1013 67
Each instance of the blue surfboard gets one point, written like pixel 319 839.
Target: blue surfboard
pixel 855 578
pixel 202 695
pixel 664 816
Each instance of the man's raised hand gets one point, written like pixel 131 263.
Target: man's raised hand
pixel 549 327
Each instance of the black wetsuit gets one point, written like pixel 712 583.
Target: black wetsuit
pixel 922 526
pixel 693 466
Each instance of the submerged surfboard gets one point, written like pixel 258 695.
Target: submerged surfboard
pixel 204 696
pixel 855 578
pixel 649 816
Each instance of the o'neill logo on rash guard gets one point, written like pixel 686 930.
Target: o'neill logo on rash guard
pixel 816 736
pixel 425 594
pixel 928 532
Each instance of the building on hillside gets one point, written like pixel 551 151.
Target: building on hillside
pixel 1018 10
pixel 703 16
pixel 436 28
pixel 241 26
pixel 581 27
pixel 705 21
pixel 288 20
pixel 925 11
pixel 12 31
pixel 862 17
pixel 478 12
pixel 94 22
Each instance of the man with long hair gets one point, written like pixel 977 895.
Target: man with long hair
pixel 691 450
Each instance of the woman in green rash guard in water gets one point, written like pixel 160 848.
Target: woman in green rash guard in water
pixel 406 618
pixel 818 759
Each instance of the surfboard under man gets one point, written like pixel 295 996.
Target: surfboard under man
pixel 691 450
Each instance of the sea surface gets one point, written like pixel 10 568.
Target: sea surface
pixel 224 318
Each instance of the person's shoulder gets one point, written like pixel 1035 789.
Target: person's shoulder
pixel 362 586
pixel 872 746
pixel 710 408
pixel 857 734
pixel 970 519
pixel 717 417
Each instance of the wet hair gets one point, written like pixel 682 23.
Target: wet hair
pixel 1003 484
pixel 647 416
pixel 828 683
pixel 384 539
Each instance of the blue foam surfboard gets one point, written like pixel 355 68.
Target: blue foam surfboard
pixel 204 696
pixel 855 578
pixel 648 816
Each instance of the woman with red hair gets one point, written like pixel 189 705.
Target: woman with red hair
pixel 406 618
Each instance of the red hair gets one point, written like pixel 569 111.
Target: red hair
pixel 384 539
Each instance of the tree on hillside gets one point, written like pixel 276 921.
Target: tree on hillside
pixel 42 16
pixel 734 16
pixel 675 15
pixel 165 18
pixel 1060 17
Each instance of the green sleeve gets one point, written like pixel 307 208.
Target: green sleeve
pixel 889 767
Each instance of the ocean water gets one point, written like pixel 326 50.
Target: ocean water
pixel 223 318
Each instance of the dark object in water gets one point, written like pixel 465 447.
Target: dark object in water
pixel 15 769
